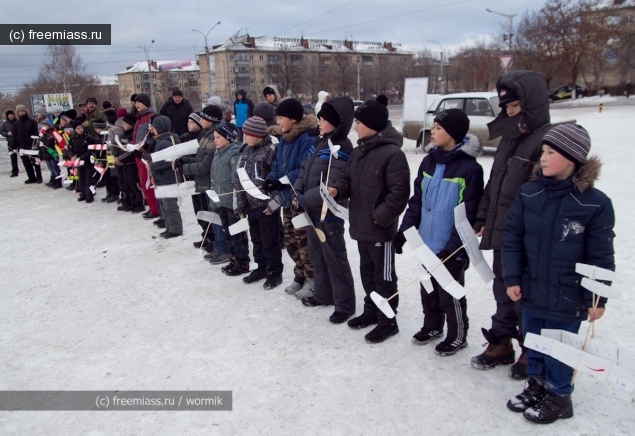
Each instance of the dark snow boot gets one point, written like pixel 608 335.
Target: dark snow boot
pixel 381 333
pixel 449 347
pixel 550 409
pixel 426 335
pixel 499 352
pixel 362 321
pixel 272 281
pixel 518 370
pixel 255 275
pixel 533 394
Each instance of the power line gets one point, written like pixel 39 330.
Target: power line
pixel 391 17
pixel 337 15
pixel 313 18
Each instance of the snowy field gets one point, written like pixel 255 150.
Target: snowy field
pixel 93 299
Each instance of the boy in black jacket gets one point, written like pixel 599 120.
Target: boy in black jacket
pixel 448 176
pixel 79 146
pixel 377 182
pixel 333 279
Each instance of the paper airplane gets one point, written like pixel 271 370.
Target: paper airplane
pixel 173 191
pixel 334 149
pixel 210 217
pixel 433 264
pixel 239 226
pixel 24 152
pixel 605 362
pixel 249 186
pixel 98 147
pixel 176 151
pixel 382 304
pixel 466 233
pixel 284 180
pixel 337 209
pixel 301 220
pixel 213 195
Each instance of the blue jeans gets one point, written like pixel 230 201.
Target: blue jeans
pixel 219 239
pixel 555 374
pixel 54 169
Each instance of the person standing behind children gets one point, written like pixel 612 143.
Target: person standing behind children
pixel 223 172
pixel 556 221
pixel 291 152
pixel 377 182
pixel 447 177
pixel 163 174
pixel 243 109
pixel 144 113
pixel 264 224
pixel 521 125
pixel 332 273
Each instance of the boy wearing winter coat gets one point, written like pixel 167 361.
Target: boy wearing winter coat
pixel 163 174
pixel 521 124
pixel 333 279
pixel 377 182
pixel 223 172
pixel 291 152
pixel 556 221
pixel 133 198
pixel 48 154
pixel 243 109
pixel 79 142
pixel 448 176
pixel 264 224
pixel 199 167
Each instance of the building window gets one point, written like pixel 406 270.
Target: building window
pixel 253 82
pixel 262 58
pixel 253 70
pixel 262 81
pixel 231 70
pixel 231 57
pixel 233 81
pixel 138 86
pixel 251 57
pixel 137 77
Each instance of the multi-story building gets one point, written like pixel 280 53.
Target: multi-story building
pixel 166 76
pixel 298 66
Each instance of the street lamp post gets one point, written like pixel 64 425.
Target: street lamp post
pixel 209 68
pixel 147 51
pixel 442 79
pixel 511 25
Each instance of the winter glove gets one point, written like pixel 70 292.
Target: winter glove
pixel 443 254
pixel 178 162
pixel 295 203
pixel 399 240
pixel 271 185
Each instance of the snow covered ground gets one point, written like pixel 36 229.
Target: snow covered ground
pixel 93 299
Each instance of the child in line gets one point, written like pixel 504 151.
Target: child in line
pixel 377 182
pixel 223 171
pixel 333 283
pixel 556 220
pixel 291 152
pixel 447 177
pixel 264 223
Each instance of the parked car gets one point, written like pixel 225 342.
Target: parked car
pixel 566 91
pixel 480 107
pixel 357 103
pixel 309 108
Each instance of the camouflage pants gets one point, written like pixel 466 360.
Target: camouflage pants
pixel 296 244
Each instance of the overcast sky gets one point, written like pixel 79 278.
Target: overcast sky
pixel 410 22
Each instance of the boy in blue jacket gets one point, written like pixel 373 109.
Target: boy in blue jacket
pixel 556 220
pixel 291 152
pixel 448 176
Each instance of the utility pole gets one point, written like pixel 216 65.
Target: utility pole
pixel 442 79
pixel 209 64
pixel 511 26
pixel 147 51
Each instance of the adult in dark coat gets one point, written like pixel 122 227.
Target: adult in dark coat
pixel 6 130
pixel 522 123
pixel 23 129
pixel 177 109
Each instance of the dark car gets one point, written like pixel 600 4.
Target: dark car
pixel 565 92
pixel 309 108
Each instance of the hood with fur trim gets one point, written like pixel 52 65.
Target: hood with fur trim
pixel 308 122
pixel 584 178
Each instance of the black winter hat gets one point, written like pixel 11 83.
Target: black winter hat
pixel 227 131
pixel 329 113
pixel 177 92
pixel 130 119
pixel 268 90
pixel 106 104
pixel 290 108
pixel 143 99
pixel 506 95
pixel 382 99
pixel 162 124
pixel 267 112
pixel 373 115
pixel 212 113
pixel 9 112
pixel 76 123
pixel 70 114
pixel 132 97
pixel 91 100
pixel 455 122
